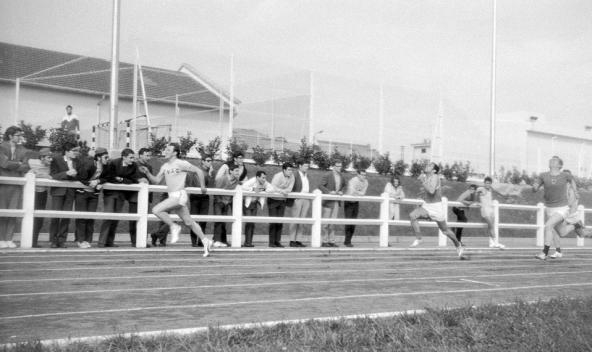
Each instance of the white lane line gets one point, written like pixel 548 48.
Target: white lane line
pixel 494 285
pixel 247 273
pixel 226 304
pixel 448 279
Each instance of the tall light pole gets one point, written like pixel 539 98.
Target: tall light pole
pixel 492 116
pixel 114 91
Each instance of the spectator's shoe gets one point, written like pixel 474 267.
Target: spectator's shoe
pixel 556 255
pixel 415 243
pixel 541 256
pixel 207 247
pixel 348 245
pixel 62 245
pixel 299 244
pixel 333 244
pixel 294 244
pixel 86 244
pixel 37 246
pixel 219 244
pixel 111 245
pixel 279 245
pixel 80 245
pixel 175 231
pixel 162 244
pixel 325 244
pixel 154 239
pixel 11 244
pixel 3 244
pixel 248 245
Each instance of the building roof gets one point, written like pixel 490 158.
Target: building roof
pixel 89 75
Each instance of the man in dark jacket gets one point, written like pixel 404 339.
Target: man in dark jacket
pixel 63 168
pixel 119 171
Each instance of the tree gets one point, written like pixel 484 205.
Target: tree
pixel 211 149
pixel 32 136
pixel 399 167
pixel 235 146
pixel 305 151
pixel 260 156
pixel 360 162
pixel 285 156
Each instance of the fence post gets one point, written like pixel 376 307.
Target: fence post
pixel 142 224
pixel 540 217
pixel 582 217
pixel 317 214
pixel 29 208
pixel 237 214
pixel 384 216
pixel 496 220
pixel 442 238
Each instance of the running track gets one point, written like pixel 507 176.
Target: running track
pixel 77 293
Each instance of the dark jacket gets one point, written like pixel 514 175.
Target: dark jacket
pixel 13 167
pixel 328 185
pixel 128 174
pixel 57 170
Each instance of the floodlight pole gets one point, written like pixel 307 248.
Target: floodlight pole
pixel 114 91
pixel 492 116
pixel 311 127
pixel 381 119
pixel 17 101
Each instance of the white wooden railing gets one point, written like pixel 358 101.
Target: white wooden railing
pixel 28 212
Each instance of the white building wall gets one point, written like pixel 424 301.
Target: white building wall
pixel 47 107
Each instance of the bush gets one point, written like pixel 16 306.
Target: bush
pixel 32 136
pixel 260 156
pixel 58 137
pixel 157 145
pixel 360 162
pixel 211 149
pixel 185 143
pixel 285 156
pixel 337 156
pixel 321 159
pixel 417 167
pixel 383 163
pixel 457 172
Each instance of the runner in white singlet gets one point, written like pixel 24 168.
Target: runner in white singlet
pixel 174 172
pixel 485 195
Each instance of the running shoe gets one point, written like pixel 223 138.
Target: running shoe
pixel 556 255
pixel 415 243
pixel 175 231
pixel 541 256
pixel 497 245
pixel 207 246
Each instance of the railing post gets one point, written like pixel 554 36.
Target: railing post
pixel 581 216
pixel 317 214
pixel 29 208
pixel 496 220
pixel 540 217
pixel 142 224
pixel 385 217
pixel 442 238
pixel 237 214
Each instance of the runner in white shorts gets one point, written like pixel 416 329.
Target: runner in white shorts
pixel 174 171
pixel 485 195
pixel 432 208
pixel 555 183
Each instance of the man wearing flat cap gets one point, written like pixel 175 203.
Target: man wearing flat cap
pixel 40 167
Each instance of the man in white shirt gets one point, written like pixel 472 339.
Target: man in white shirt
pixel 256 184
pixel 357 186
pixel 70 122
pixel 283 181
pixel 297 207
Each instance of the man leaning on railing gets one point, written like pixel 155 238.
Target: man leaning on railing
pixel 13 164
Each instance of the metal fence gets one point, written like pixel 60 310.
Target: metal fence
pixel 28 212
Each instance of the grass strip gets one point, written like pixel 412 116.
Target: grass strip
pixel 560 324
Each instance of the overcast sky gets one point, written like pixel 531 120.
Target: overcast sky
pixel 437 48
